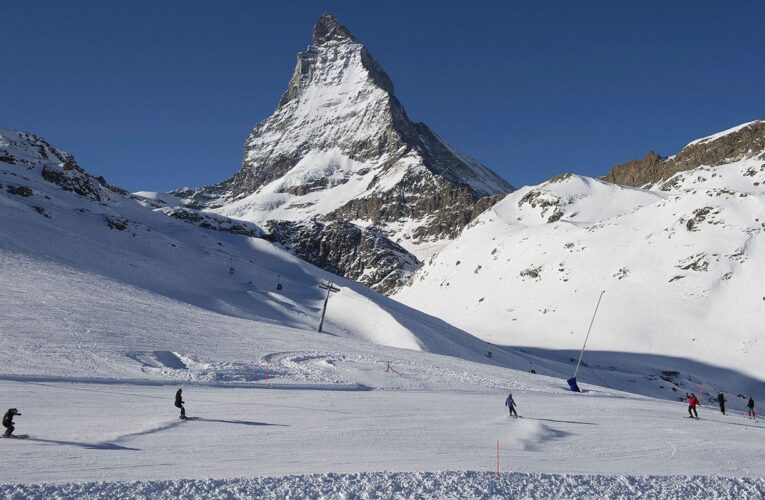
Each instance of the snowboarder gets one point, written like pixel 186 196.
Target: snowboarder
pixel 179 403
pixel 8 421
pixel 510 403
pixel 693 402
pixel 721 399
pixel 749 405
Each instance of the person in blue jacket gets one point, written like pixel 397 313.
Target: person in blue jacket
pixel 510 403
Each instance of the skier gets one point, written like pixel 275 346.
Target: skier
pixel 749 405
pixel 721 400
pixel 511 406
pixel 693 402
pixel 8 421
pixel 179 403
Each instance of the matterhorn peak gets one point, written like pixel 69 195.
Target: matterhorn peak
pixel 327 29
pixel 339 148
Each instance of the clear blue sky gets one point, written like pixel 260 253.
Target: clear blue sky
pixel 158 95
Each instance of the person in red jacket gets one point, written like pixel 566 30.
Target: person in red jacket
pixel 693 402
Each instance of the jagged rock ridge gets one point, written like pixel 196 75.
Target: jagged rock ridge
pixel 728 146
pixel 32 155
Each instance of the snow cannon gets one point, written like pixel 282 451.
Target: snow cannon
pixel 572 384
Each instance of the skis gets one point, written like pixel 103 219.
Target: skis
pixel 16 436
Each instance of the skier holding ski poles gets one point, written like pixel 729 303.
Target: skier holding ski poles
pixel 8 421
pixel 510 403
pixel 693 402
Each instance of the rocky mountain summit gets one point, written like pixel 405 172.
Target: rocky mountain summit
pixel 340 148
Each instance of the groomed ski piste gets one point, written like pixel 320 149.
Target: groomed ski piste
pixel 100 325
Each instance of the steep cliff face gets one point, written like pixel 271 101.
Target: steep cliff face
pixel 360 254
pixel 339 147
pixel 738 143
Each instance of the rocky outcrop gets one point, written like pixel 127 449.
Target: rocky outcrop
pixel 214 222
pixel 30 153
pixel 447 209
pixel 347 250
pixel 740 143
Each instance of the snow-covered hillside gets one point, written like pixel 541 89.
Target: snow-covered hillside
pixel 67 235
pixel 340 147
pixel 107 305
pixel 682 263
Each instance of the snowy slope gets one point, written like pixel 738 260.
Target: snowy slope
pixel 682 264
pixel 106 246
pixel 107 306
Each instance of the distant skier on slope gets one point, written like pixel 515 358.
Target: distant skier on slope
pixel 179 403
pixel 750 407
pixel 8 421
pixel 510 403
pixel 721 400
pixel 693 402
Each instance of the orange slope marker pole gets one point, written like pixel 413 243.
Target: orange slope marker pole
pixel 498 457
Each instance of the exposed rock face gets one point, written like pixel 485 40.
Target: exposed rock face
pixel 347 250
pixel 726 147
pixel 30 154
pixel 340 147
pixel 214 222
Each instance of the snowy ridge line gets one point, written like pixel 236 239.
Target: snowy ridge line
pixel 448 484
pixel 270 384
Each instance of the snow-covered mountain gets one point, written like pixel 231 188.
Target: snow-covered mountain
pixel 340 147
pixel 682 262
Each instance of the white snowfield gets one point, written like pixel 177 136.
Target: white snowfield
pixel 107 307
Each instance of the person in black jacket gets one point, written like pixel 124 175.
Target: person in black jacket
pixel 8 421
pixel 721 400
pixel 750 409
pixel 179 403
